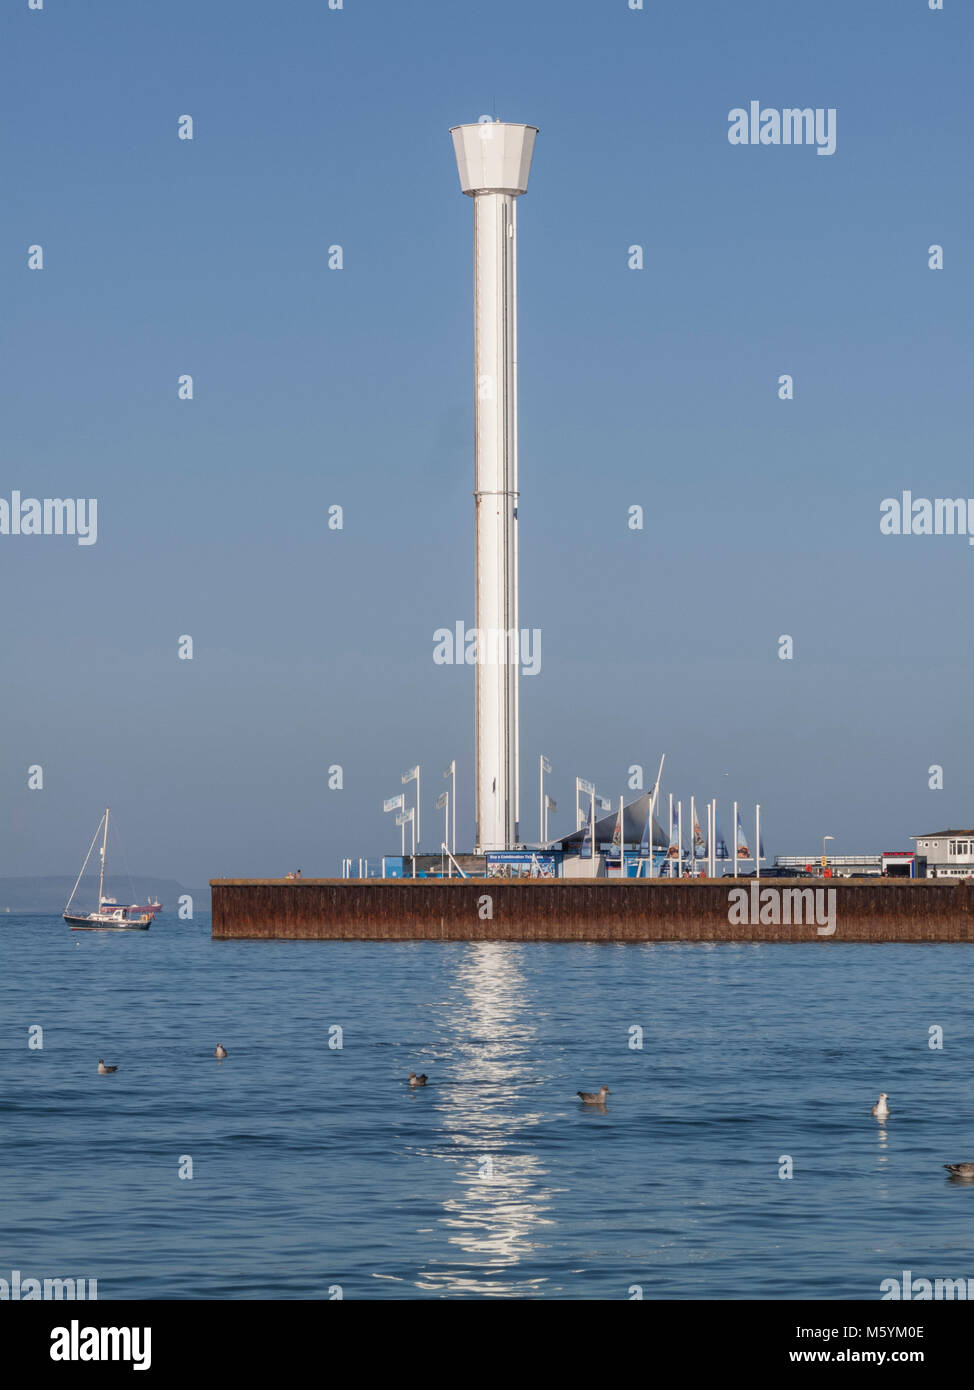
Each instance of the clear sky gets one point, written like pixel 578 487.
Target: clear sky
pixel 313 387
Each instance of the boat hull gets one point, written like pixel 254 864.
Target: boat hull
pixel 92 923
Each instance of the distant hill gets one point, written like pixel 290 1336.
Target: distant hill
pixel 48 895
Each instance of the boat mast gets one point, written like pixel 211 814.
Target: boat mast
pixel 83 867
pixel 101 876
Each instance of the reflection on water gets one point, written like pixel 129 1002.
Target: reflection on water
pixel 321 1166
pixel 882 1160
pixel 499 1197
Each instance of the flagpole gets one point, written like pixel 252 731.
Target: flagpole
pixel 652 812
pixel 734 838
pixel 541 798
pixel 652 809
pixel 594 866
pixel 679 836
pixel 713 839
pixel 757 841
pixel 710 836
pixel 652 803
pixel 669 838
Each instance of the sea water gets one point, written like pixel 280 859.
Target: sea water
pixel 303 1166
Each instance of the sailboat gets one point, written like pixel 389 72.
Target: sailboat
pixel 108 917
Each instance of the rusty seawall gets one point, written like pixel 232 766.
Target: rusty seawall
pixel 494 909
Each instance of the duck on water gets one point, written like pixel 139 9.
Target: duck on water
pixel 594 1097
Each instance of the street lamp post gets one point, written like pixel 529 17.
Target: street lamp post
pixel 825 858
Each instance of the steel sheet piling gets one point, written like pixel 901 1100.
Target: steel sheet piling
pixel 580 910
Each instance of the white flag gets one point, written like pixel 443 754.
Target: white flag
pixel 408 776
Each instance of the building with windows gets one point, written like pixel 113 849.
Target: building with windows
pixel 892 863
pixel 841 865
pixel 949 853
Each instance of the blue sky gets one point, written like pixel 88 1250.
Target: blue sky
pixel 315 387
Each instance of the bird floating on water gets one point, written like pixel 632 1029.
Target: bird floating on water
pixel 220 1052
pixel 881 1109
pixel 103 1070
pixel 594 1097
pixel 960 1170
pixel 415 1080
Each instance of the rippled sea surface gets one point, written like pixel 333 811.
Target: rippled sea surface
pixel 314 1166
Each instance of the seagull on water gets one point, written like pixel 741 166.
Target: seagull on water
pixel 220 1052
pixel 103 1070
pixel 960 1170
pixel 594 1097
pixel 415 1080
pixel 881 1109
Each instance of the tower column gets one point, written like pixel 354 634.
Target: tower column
pixel 494 159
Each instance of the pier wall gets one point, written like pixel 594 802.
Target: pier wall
pixel 590 910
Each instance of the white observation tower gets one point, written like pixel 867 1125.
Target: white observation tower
pixel 494 159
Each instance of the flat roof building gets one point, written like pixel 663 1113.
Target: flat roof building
pixel 949 853
pixel 892 863
pixel 842 865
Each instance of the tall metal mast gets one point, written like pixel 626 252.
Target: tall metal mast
pixel 101 875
